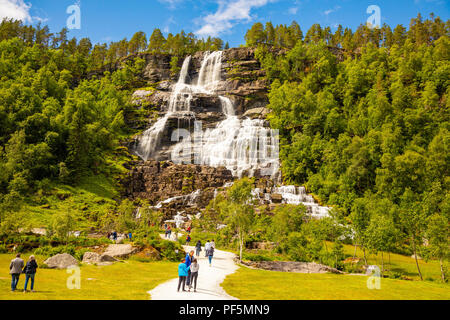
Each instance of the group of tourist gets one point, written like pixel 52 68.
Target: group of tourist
pixel 16 268
pixel 189 266
pixel 168 231
pixel 113 236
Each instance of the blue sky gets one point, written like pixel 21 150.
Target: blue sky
pixel 112 20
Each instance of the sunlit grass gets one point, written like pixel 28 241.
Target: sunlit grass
pixel 129 280
pixel 271 285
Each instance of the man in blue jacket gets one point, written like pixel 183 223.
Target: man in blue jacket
pixel 189 258
pixel 182 274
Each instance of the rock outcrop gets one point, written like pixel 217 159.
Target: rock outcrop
pixel 98 259
pixel 292 266
pixel 120 250
pixel 61 261
pixel 157 181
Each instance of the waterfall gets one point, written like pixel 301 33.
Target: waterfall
pixel 242 146
pixel 297 195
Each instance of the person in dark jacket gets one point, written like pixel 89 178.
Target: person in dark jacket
pixel 15 269
pixel 198 248
pixel 189 258
pixel 188 240
pixel 30 272
pixel 210 254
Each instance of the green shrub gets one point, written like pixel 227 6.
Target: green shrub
pixel 255 257
pixel 3 248
pixel 80 253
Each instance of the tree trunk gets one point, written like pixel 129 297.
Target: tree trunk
pixel 415 257
pixel 389 255
pixel 354 253
pixel 382 265
pixel 240 244
pixel 442 270
pixel 364 254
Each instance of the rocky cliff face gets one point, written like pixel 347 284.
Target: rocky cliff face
pixel 158 181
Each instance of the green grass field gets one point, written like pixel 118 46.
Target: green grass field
pixel 400 264
pixel 270 285
pixel 129 280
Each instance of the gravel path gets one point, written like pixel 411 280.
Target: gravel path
pixel 208 283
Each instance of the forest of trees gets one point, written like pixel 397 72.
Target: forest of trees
pixel 368 132
pixel 92 57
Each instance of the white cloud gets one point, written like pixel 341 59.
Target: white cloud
pixel 16 9
pixel 229 14
pixel 166 28
pixel 293 10
pixel 171 3
pixel 327 12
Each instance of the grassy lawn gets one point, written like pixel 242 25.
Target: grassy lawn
pixel 129 280
pixel 400 263
pixel 270 285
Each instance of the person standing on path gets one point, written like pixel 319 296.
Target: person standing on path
pixel 15 269
pixel 189 258
pixel 210 254
pixel 207 246
pixel 198 248
pixel 30 272
pixel 194 274
pixel 182 274
pixel 188 240
pixel 213 244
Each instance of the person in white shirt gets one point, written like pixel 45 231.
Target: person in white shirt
pixel 194 274
pixel 207 246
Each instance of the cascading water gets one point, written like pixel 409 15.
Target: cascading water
pixel 297 195
pixel 239 145
pixel 179 100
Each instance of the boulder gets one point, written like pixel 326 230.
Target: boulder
pixel 61 261
pixel 120 250
pixel 276 197
pixel 98 259
pixel 256 113
pixel 91 257
pixel 149 253
pixel 107 258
